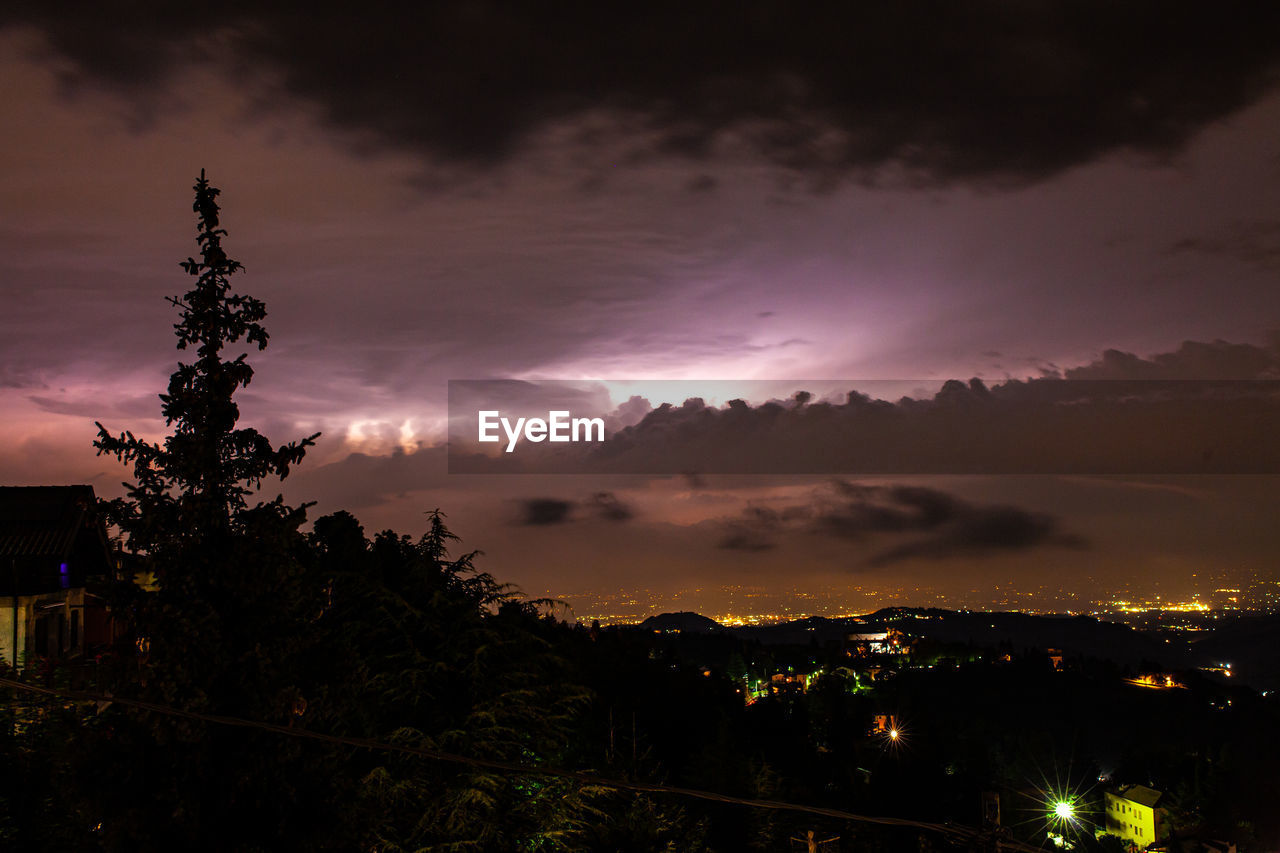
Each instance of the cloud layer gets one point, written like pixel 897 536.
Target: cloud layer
pixel 1119 421
pixel 921 522
pixel 987 89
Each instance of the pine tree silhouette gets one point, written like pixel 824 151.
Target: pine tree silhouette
pixel 202 473
pixel 222 623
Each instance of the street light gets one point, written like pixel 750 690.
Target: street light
pixel 1064 819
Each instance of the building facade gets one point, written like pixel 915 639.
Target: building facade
pixel 53 548
pixel 1135 816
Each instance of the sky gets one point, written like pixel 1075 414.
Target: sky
pixel 737 191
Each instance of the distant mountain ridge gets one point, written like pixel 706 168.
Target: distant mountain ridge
pixel 684 621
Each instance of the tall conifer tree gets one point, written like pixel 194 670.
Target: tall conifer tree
pixel 220 626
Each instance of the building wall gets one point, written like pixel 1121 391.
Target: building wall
pixel 1133 822
pixel 39 626
pixel 6 631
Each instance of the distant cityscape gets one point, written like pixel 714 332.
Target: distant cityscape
pixel 1140 605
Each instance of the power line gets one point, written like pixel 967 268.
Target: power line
pixel 960 832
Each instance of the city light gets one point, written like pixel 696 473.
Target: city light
pixel 894 734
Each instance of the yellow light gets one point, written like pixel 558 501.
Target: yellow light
pixel 1065 811
pixel 893 734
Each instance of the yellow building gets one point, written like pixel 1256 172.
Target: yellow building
pixel 1134 815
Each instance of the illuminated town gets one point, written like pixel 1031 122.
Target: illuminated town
pixel 747 605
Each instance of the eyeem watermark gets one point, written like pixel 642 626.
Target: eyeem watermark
pixel 558 426
pixel 865 427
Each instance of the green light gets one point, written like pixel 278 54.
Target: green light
pixel 1064 810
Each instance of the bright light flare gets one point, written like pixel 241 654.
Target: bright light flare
pixel 894 735
pixel 1064 812
pixel 1067 812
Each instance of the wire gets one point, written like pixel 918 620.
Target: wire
pixel 962 832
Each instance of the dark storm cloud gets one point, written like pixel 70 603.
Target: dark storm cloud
pixel 546 511
pixel 949 90
pixel 756 530
pixel 877 509
pixel 934 524
pixel 694 480
pixel 1195 360
pixel 543 511
pixel 954 527
pixel 606 505
pixel 983 530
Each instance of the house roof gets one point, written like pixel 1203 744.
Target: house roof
pixel 1141 795
pixel 43 521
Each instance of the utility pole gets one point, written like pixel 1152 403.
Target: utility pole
pixel 989 840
